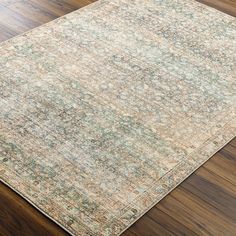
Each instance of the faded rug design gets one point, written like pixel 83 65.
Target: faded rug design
pixel 107 109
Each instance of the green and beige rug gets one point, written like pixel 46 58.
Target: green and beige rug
pixel 107 109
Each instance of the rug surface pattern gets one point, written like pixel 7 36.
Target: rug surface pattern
pixel 107 109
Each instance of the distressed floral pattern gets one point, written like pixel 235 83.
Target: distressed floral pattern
pixel 105 110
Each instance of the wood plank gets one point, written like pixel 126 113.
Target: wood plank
pixel 33 11
pixel 14 21
pixel 17 217
pixel 171 224
pixel 227 6
pixel 196 215
pixel 213 197
pixel 146 226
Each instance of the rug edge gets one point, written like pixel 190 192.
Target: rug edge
pixel 90 5
pixel 35 206
pixel 222 131
pixel 213 152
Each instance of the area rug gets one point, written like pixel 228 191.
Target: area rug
pixel 105 110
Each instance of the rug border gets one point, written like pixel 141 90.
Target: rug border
pixel 212 8
pixel 35 206
pixel 187 176
pixel 218 147
pixel 9 40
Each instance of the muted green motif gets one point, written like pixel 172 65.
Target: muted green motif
pixel 107 109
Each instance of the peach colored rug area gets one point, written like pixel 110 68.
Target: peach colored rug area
pixel 107 109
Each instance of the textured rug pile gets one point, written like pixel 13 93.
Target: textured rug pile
pixel 107 109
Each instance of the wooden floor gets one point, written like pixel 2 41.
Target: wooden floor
pixel 204 204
